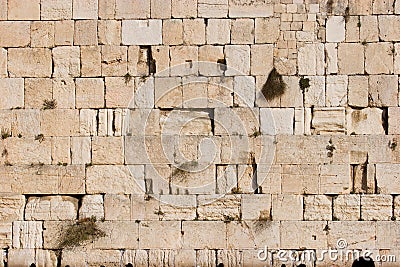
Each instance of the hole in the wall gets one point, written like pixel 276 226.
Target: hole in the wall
pixel 302 265
pixel 363 262
pixel 385 120
pixel 129 265
pixel 222 64
pixel 220 265
pixel 32 265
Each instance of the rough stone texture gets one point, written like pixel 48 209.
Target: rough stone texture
pixel 317 208
pixel 14 34
pixel 51 208
pixel 23 62
pixel 365 121
pixel 347 207
pixel 376 207
pixel 329 120
pixel 92 206
pixel 378 58
pixel 136 32
pixel 335 29
pixel 11 208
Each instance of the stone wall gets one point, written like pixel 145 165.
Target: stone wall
pixel 197 132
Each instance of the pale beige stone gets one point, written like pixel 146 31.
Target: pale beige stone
pixel 177 207
pixel 42 34
pixel 303 234
pixel 27 10
pixel 56 9
pixel 246 8
pixel 114 60
pixel 36 91
pixel 358 235
pixel 53 208
pixel 353 29
pixel 13 92
pixel 331 54
pixel 223 208
pixel 145 207
pixel 64 92
pixel 61 150
pixel 329 120
pixel 117 207
pixel 336 90
pixel 376 207
pixel 198 179
pixel 107 9
pixel 26 151
pixel 389 28
pixel 85 32
pixel 387 178
pixel 3 8
pixel 138 59
pixel 351 58
pixel 379 58
pixel 85 9
pixel 335 179
pixel 315 94
pixel 160 235
pixel 109 32
pixel 358 91
pixel 66 61
pixel 173 32
pixel 3 63
pixel 26 123
pixel 90 61
pixel 161 58
pixel 311 59
pixel 212 8
pixel 218 31
pixel 209 55
pixel 267 30
pixel 168 92
pixel 382 6
pixel 317 208
pixel 347 207
pixel 23 62
pixel 101 147
pixel 393 120
pixel 194 31
pixel 281 204
pixel 80 150
pixel 27 234
pixel 242 31
pixel 51 125
pixel 262 58
pixel 237 60
pixel 185 122
pixel 184 8
pixel 89 93
pixel 119 92
pixel 140 32
pixel 335 29
pixel 101 179
pixel 11 208
pixel 244 91
pixel 5 236
pixel 160 9
pixel 256 207
pixel 383 90
pixel 369 31
pixel 184 60
pixel 212 234
pixel 92 206
pixel 276 121
pixel 64 32
pixel 299 179
pixel 360 7
pixel 132 9
pixel 21 257
pixel 14 34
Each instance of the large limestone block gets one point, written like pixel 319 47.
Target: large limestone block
pixel 214 207
pixel 282 203
pixel 89 93
pixel 80 150
pixel 248 8
pixel 256 207
pixel 177 207
pixel 315 94
pixel 51 208
pixel 23 62
pixel 394 120
pixel 267 30
pixel 117 207
pixel 108 150
pixel 388 177
pixel 60 122
pixel 14 34
pixel 194 32
pixel 85 32
pixel 300 179
pixel 335 29
pixel 262 57
pixel 92 205
pixel 64 32
pixel 383 90
pixel 351 58
pixel 311 59
pixel 85 9
pixel 114 60
pixel 242 31
pixel 42 34
pixel 387 234
pixel 218 31
pixel 328 120
pixel 237 60
pixel 11 208
pixel 109 32
pixel 238 121
pixel 383 7
pixel 358 235
pixel 298 234
pixel 276 121
pixel 376 207
pixel 119 92
pixel 389 28
pixel 161 234
pixel 335 179
pixel 66 61
pixel 336 90
pixel 56 9
pixel 253 234
pixel 28 151
pixel 379 58
pixel 184 8
pixel 347 207
pixel 364 121
pixel 26 123
pixel 118 235
pixel 179 122
pixel 244 91
pixel 5 235
pixel 140 32
pixel 212 8
pixel 12 90
pixel 27 234
pixel 369 31
pixel 358 91
pixel 317 208
pixel 204 234
pixel 114 179
pixel 160 9
pixel 27 10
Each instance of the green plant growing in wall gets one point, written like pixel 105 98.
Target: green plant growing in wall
pixel 304 84
pixel 274 86
pixel 128 77
pixel 49 104
pixel 81 232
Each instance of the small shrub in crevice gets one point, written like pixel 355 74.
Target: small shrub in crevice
pixel 39 137
pixel 81 232
pixel 304 84
pixel 49 104
pixel 5 133
pixel 274 86
pixel 128 77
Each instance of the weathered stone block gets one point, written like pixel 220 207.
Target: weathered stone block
pixel 183 60
pixel 315 94
pixel 214 208
pixel 173 32
pixel 218 31
pixel 281 204
pixel 364 121
pixel 66 61
pixel 303 234
pixel 212 8
pixel 393 120
pixel 89 93
pixel 161 235
pixel 28 151
pixel 267 30
pixel 11 209
pixel 56 9
pixel 211 235
pixel 64 92
pixel 383 90
pixel 51 125
pixel 61 150
pixel 168 92
pixel 81 150
pixel 184 8
pixel 276 121
pixel 242 31
pixel 5 236
pixel 13 91
pixel 347 207
pixel 383 7
pixel 85 32
pixel 52 208
pixel 387 178
pixel 329 120
pixel 336 90
pixel 160 9
pixel 27 234
pixel 87 9
pixel 256 207
pixel 335 179
pixel 351 58
pixel 101 147
pixel 359 235
pixel 64 32
pixel 140 32
pixel 194 31
pixel 119 92
pixel 311 59
pixel 42 34
pixel 28 10
pixel 109 32
pixel 379 58
pixel 335 29
pixel 114 60
pixel 22 62
pixel 357 91
pixel 369 31
pixel 246 8
pixel 177 207
pixel 101 179
pixel 376 207
pixel 14 34
pixel 90 61
pixel 262 57
pixel 317 208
